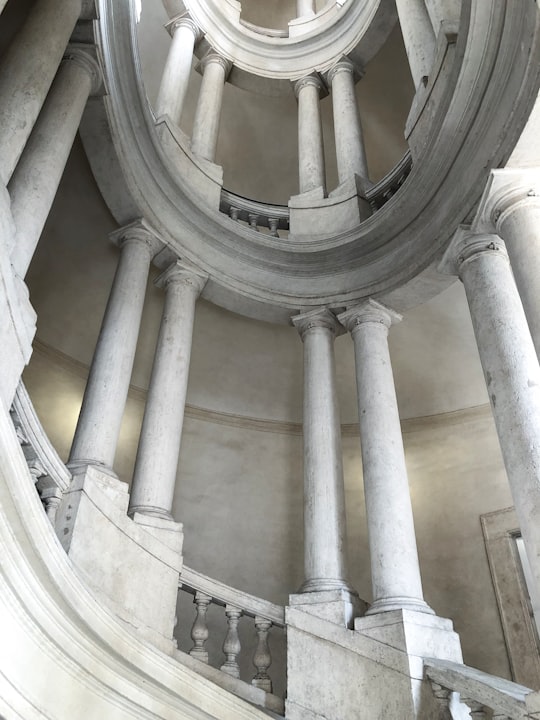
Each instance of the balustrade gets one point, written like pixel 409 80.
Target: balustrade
pixel 485 696
pixel 237 605
pixel 50 475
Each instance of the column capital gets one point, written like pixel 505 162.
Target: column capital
pixel 313 80
pixel 468 245
pixel 181 274
pixel 344 64
pixel 85 56
pixel 319 318
pixel 507 189
pixel 138 231
pixel 184 20
pixel 214 57
pixel 369 311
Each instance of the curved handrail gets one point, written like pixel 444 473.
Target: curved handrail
pixel 222 594
pixel 32 434
pixel 276 217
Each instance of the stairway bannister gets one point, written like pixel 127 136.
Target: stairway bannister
pixel 485 695
pixel 236 604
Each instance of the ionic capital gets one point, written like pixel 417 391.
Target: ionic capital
pixel 85 56
pixel 139 232
pixel 312 80
pixel 507 190
pixel 213 57
pixel 467 246
pixel 319 318
pixel 369 311
pixel 181 274
pixel 184 20
pixel 344 65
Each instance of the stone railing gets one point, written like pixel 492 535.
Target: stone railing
pixel 485 695
pixel 276 217
pixel 236 604
pixel 268 32
pixel 255 214
pixel 49 473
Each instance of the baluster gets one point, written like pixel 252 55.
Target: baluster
pixel 273 225
pixel 477 710
pixel 231 645
pixel 262 658
pixel 253 219
pixel 199 631
pixel 51 498
pixel 233 212
pixel 443 696
pixel 36 468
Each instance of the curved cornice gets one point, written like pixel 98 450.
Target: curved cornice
pixel 495 65
pixel 359 28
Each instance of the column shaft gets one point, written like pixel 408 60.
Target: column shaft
pixel 39 171
pixel 175 79
pixel 325 556
pixel 159 446
pixel 312 173
pixel 519 226
pixel 305 7
pixel 512 374
pixel 350 151
pixel 208 112
pixel 395 568
pixel 418 36
pixel 27 71
pixel 98 428
pixel 3 4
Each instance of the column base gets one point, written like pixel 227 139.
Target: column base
pixel 77 467
pixel 149 511
pixel 399 603
pixel 337 605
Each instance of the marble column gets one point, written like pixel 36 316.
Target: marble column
pixel 305 7
pixel 215 69
pixel 518 223
pixel 98 428
pixel 39 171
pixel 312 174
pixel 325 556
pixel 418 36
pixel 350 151
pixel 395 570
pixel 3 4
pixel 175 78
pixel 511 369
pixel 159 446
pixel 27 71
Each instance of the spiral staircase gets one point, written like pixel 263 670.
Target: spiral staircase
pixel 92 575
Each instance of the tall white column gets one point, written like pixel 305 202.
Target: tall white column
pixel 510 367
pixel 159 446
pixel 395 570
pixel 518 223
pixel 175 78
pixel 350 151
pixel 27 71
pixel 37 176
pixel 325 555
pixel 215 69
pixel 98 428
pixel 305 7
pixel 418 36
pixel 312 173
